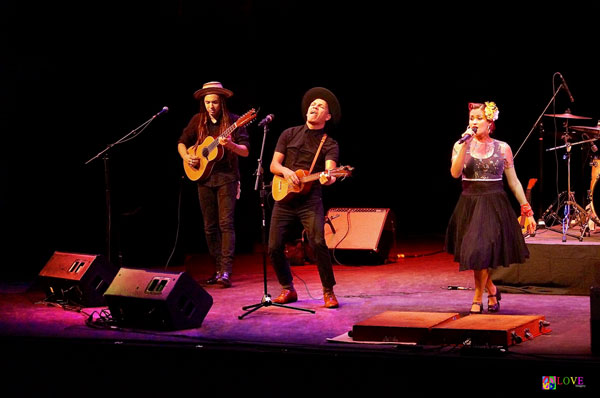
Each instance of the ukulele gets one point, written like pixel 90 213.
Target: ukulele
pixel 210 151
pixel 283 191
pixel 524 221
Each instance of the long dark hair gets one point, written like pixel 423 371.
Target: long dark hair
pixel 204 118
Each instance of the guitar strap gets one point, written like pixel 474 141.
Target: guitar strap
pixel 312 166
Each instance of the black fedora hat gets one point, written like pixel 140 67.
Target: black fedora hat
pixel 322 93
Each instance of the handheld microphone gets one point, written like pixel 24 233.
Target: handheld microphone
pixel 268 119
pixel 163 110
pixel 564 84
pixel 467 137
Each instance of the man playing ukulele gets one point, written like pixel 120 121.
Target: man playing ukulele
pixel 305 147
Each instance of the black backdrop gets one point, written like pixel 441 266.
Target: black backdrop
pixel 76 78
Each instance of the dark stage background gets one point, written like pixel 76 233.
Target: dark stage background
pixel 77 78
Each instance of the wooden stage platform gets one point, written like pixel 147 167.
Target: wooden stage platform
pixel 64 350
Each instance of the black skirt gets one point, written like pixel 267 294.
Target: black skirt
pixel 483 231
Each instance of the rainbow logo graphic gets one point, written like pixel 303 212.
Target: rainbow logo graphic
pixel 549 382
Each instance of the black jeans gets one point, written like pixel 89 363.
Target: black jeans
pixel 218 209
pixel 311 214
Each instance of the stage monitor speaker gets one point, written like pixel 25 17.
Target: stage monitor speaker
pixel 77 278
pixel 148 299
pixel 360 235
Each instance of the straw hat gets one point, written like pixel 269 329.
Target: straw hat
pixel 212 88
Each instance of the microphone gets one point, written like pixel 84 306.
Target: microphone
pixel 163 110
pixel 564 84
pixel 268 119
pixel 467 137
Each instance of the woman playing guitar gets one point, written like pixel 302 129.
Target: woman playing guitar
pixel 218 178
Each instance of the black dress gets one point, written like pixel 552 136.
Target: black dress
pixel 483 231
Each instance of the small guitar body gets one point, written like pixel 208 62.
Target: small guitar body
pixel 207 153
pixel 283 191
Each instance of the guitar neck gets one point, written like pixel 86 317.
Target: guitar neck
pixel 316 176
pixel 224 134
pixel 310 177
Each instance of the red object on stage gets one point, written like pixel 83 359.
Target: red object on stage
pixel 439 328
pixel 399 326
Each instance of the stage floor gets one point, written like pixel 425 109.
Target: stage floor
pixel 285 346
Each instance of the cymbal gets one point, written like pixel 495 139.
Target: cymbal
pixel 566 115
pixel 586 129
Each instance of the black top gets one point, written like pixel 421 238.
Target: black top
pixel 299 145
pixel 225 170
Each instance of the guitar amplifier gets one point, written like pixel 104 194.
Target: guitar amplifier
pixel 360 235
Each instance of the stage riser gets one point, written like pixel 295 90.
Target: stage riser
pixel 395 326
pixel 428 328
pixel 493 330
pixel 561 268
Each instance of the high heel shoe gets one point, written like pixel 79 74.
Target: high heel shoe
pixel 480 308
pixel 495 307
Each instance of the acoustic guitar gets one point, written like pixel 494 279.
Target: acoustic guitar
pixel 524 221
pixel 283 191
pixel 210 151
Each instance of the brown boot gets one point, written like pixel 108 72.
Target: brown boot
pixel 329 298
pixel 286 296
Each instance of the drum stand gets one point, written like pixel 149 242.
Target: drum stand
pixel 573 211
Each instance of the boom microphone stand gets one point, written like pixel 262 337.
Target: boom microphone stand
pixel 107 186
pixel 266 299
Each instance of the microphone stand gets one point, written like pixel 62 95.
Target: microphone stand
pixel 107 181
pixel 266 299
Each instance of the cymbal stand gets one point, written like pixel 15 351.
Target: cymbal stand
pixel 266 300
pixel 570 202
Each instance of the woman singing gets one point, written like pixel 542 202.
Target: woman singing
pixel 483 231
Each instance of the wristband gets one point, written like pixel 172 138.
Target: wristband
pixel 526 210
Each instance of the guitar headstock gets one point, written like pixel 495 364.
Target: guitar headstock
pixel 342 171
pixel 246 118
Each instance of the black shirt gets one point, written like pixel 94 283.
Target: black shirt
pixel 299 145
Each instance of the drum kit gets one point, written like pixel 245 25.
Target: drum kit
pixel 573 214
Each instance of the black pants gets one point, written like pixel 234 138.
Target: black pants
pixel 218 209
pixel 309 211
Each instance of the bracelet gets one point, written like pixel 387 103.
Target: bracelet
pixel 526 210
